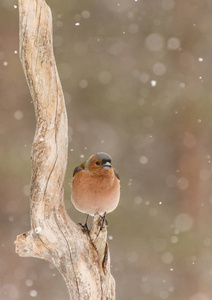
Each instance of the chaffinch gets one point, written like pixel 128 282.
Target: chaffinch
pixel 95 186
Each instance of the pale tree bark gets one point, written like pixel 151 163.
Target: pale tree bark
pixel 82 258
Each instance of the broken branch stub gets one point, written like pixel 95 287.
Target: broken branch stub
pixel 82 259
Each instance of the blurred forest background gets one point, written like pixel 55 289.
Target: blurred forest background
pixel 137 79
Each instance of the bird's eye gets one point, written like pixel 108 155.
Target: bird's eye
pixel 97 163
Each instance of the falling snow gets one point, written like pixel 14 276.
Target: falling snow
pixel 183 222
pixel 18 115
pixel 29 282
pixel 153 83
pixel 143 160
pixel 173 43
pixel 33 293
pixel 154 42
pixel 38 230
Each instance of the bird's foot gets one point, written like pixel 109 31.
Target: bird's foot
pixel 103 221
pixel 85 228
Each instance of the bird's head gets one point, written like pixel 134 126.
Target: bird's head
pixel 99 163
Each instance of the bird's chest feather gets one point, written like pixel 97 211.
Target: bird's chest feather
pixel 98 183
pixel 94 184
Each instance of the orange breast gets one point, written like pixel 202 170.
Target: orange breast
pixel 92 193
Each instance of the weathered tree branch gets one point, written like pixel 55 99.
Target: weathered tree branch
pixel 83 259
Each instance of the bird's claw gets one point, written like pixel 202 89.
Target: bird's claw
pixel 84 227
pixel 103 222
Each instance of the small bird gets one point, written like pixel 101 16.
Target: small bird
pixel 95 186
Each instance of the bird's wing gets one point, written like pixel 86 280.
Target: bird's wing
pixel 79 168
pixel 116 174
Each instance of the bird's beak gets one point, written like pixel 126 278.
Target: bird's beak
pixel 107 165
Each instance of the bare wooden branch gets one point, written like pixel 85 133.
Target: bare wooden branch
pixel 83 259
